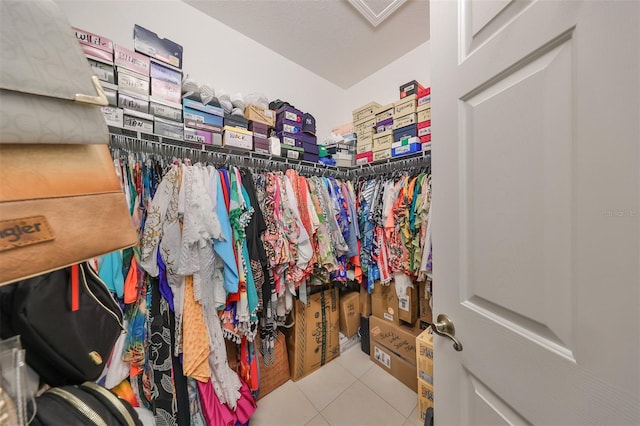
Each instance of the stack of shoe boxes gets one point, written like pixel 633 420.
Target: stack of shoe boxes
pixel 344 145
pixel 383 137
pixel 309 140
pixel 133 89
pixel 424 357
pixel 99 53
pixel 236 131
pixel 202 123
pixel 364 123
pixel 164 76
pixel 261 120
pixel 424 118
pixel 405 125
pixel 289 130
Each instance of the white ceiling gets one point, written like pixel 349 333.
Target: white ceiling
pixel 328 37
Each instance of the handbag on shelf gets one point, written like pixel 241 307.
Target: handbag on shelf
pixel 68 323
pixel 84 404
pixel 60 199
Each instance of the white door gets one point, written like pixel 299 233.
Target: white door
pixel 536 223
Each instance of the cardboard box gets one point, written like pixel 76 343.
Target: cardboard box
pixel 238 121
pixel 347 343
pixel 424 128
pixel 260 115
pixel 424 112
pixel 103 70
pixel 198 136
pixel 426 139
pixel 385 113
pixel 275 375
pixel 125 58
pixel 164 109
pixel 364 158
pixel 196 116
pixel 167 91
pixel 95 45
pixel 381 128
pixel 425 399
pixel 406 106
pixel 349 315
pixel 113 116
pixel 289 139
pixel 261 145
pixel 424 355
pixel 133 102
pixel 366 112
pixel 395 365
pixel 400 339
pixel 132 82
pixel 361 126
pixel 406 149
pixel 381 155
pixel 384 302
pixel 408 306
pixel 410 88
pixel 406 120
pixel 424 297
pixel 313 340
pixel 286 127
pixel 292 152
pixel 111 92
pixel 364 145
pixel 150 44
pixel 289 113
pixel 383 140
pixel 343 129
pixel 199 106
pixel 165 72
pixel 424 96
pixel 364 303
pixel 365 340
pixel 259 129
pixel 168 129
pixel 237 138
pixel 138 121
pixel 407 131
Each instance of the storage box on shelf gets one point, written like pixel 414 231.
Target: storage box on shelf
pixel 113 116
pixel 202 136
pixel 382 141
pixel 235 137
pixel 405 106
pixel 104 70
pixel 165 72
pixel 424 96
pixel 258 114
pixel 130 60
pixel 165 109
pixel 111 92
pixel 406 146
pixel 133 101
pixel 234 120
pixel 382 154
pixel 292 152
pixel 162 49
pixel 410 88
pixel 168 128
pixel 161 89
pixel 203 117
pixel 132 82
pixel 365 112
pixel 364 158
pixel 406 120
pixel 138 121
pixel 95 46
pixel 384 114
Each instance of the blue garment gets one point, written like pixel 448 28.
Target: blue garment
pixel 224 248
pixel 165 290
pixel 110 271
pixel 354 233
pixel 252 293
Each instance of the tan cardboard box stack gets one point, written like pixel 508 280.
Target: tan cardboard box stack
pixel 424 357
pixel 364 121
pixel 349 320
pixel 313 341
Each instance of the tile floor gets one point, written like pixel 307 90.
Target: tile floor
pixel 349 391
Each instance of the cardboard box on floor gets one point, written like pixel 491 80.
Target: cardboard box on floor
pixel 424 355
pixel 365 303
pixel 272 376
pixel 393 348
pixel 313 340
pixel 425 398
pixel 424 308
pixel 385 304
pixel 349 316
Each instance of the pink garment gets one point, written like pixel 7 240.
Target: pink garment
pixel 218 414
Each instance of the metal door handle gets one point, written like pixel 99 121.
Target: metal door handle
pixel 444 327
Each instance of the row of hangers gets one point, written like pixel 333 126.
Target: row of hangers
pixel 190 152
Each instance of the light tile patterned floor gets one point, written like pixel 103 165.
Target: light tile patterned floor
pixel 349 391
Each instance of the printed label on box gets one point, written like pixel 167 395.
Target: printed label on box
pixel 193 117
pixel 193 137
pixel 289 141
pixel 403 303
pixel 388 316
pixel 424 131
pixel 166 111
pixel 288 128
pixel 138 124
pixel 293 154
pixel 290 116
pixel 382 357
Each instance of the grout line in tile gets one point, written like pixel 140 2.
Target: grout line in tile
pixel 382 397
pixel 305 397
pixel 334 399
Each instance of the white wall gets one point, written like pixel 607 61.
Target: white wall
pixel 214 53
pixel 383 85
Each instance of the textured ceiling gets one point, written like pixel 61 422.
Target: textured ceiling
pixel 328 37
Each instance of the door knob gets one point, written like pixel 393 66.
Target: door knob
pixel 444 327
